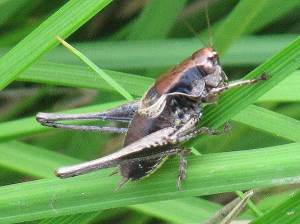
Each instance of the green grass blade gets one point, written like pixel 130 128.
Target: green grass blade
pixel 275 10
pixel 37 162
pixel 215 173
pixel 192 210
pixel 285 91
pixel 163 53
pixel 115 85
pixel 249 50
pixel 84 218
pixel 236 23
pixel 271 12
pixel 82 77
pixel 275 123
pixel 62 23
pixel 32 160
pixel 150 24
pixel 287 212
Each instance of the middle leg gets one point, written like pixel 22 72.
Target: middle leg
pixel 190 130
pixel 182 153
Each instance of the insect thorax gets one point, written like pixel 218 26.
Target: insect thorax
pixel 181 110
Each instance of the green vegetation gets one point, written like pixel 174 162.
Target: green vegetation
pixel 121 49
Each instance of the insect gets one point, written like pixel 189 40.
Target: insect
pixel 166 116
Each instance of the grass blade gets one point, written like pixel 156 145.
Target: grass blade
pixel 249 50
pixel 150 25
pixel 42 39
pixel 233 27
pixel 192 210
pixel 82 77
pixel 162 53
pixel 272 11
pixel 285 91
pixel 287 212
pixel 215 173
pixel 275 123
pixel 74 219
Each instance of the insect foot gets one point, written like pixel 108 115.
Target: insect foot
pixel 227 127
pixel 264 76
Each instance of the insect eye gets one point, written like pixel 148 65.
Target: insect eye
pixel 214 59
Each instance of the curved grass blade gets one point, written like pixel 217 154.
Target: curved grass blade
pixel 62 23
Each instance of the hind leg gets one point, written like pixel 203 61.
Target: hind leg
pixel 123 113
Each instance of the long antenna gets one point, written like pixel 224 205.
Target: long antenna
pixel 210 34
pixel 193 31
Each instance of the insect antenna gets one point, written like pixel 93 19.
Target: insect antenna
pixel 209 30
pixel 193 31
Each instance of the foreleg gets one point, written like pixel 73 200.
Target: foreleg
pixel 214 92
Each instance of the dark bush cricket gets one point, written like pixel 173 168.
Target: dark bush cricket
pixel 167 115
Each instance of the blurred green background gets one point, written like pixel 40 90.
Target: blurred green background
pixel 142 38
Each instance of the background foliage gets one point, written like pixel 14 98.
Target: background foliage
pixel 132 42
